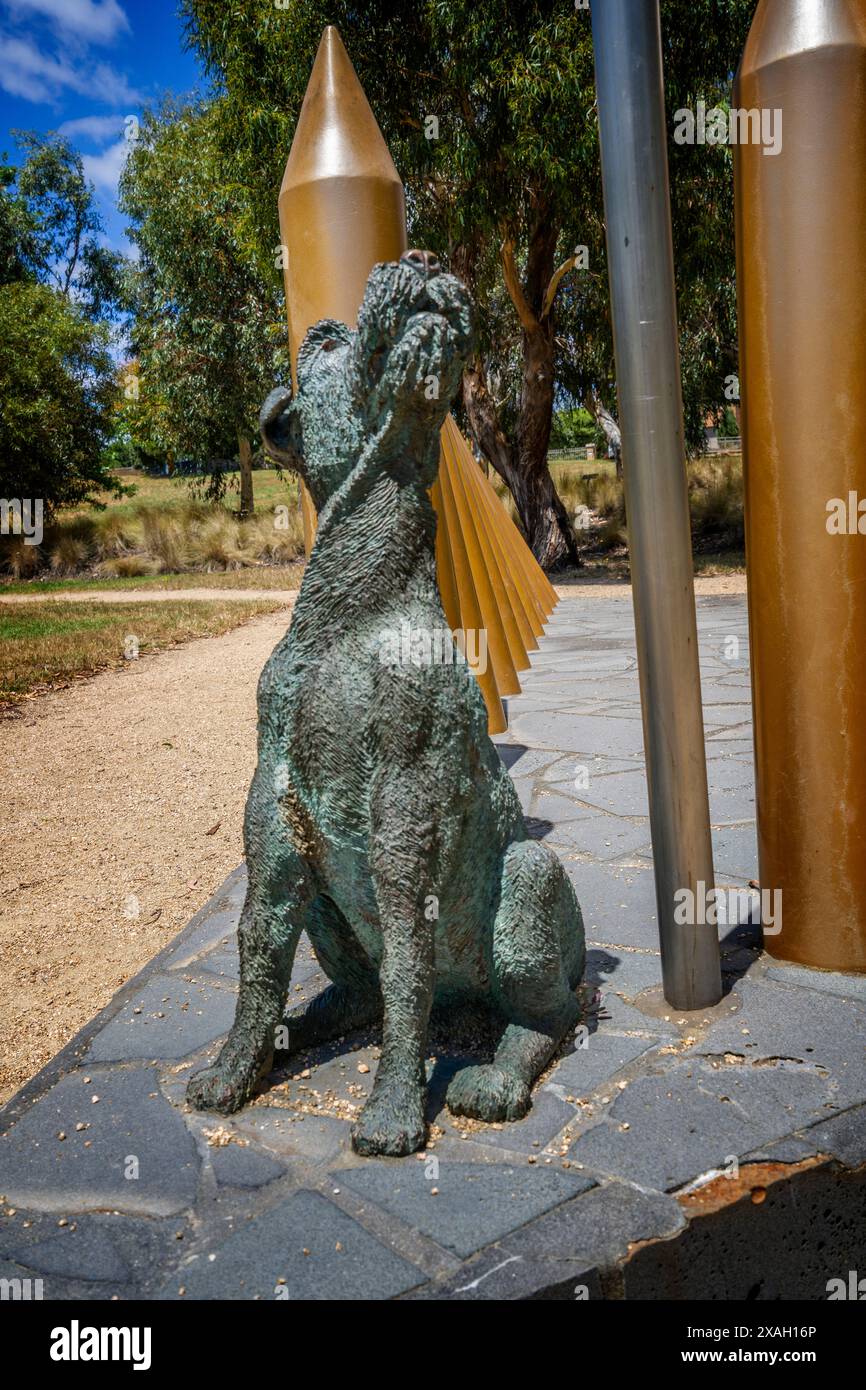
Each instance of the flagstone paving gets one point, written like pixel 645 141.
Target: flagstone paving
pixel 648 1139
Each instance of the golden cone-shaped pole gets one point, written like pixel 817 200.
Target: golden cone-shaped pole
pixel 341 205
pixel 801 248
pixel 342 210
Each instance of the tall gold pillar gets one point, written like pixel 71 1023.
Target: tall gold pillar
pixel 342 211
pixel 801 252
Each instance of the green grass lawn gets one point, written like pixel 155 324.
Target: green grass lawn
pixel 276 577
pixel 47 644
pixel 269 490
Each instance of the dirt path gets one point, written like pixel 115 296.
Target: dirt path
pixel 108 845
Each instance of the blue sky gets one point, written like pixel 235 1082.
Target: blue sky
pixel 82 67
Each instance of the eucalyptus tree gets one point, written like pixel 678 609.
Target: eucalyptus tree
pixel 59 290
pixel 208 320
pixel 488 107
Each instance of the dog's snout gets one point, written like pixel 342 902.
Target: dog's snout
pixel 425 262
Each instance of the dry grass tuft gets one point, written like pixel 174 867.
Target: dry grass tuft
pixel 128 567
pixel 163 530
pixel 22 561
pixel 716 500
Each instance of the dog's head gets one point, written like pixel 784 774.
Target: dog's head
pixel 382 390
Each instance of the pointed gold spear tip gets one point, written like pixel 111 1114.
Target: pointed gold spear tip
pixel 341 202
pixel 337 135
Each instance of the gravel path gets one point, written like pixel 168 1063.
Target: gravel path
pixel 122 810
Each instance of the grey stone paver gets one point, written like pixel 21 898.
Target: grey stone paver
pixel 735 851
pixel 843 1135
pixel 168 1018
pixel 809 1029
pixel 825 981
pixel 123 1146
pixel 550 1114
pixel 294 1134
pixel 602 837
pixel 622 792
pixel 95 1254
pixel 618 1015
pixel 465 1205
pixel 553 1206
pixel 618 902
pixel 234 1166
pixel 626 972
pixel 306 1246
pixel 665 1128
pixel 92 1257
pixel 588 1068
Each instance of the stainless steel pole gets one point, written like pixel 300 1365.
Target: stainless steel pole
pixel 631 114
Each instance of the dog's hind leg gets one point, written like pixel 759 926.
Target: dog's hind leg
pixel 538 960
pixel 280 890
pixel 352 1000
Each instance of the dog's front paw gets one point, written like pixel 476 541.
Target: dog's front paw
pixel 228 1084
pixel 212 1089
pixel 488 1093
pixel 392 1123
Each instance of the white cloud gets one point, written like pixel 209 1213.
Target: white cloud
pixel 95 128
pixel 94 21
pixel 111 87
pixel 105 169
pixel 42 77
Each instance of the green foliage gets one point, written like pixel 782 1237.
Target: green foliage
pixel 16 230
pixel 729 425
pixel 56 374
pixel 58 227
pixel 703 40
pixel 56 389
pixel 572 429
pixel 208 323
pixel 510 85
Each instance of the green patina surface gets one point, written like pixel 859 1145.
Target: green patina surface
pixel 380 818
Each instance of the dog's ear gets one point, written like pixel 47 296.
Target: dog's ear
pixel 324 336
pixel 280 428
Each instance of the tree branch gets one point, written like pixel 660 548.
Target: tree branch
pixel 550 292
pixel 527 318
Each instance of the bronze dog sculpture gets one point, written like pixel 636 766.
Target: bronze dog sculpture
pixel 380 819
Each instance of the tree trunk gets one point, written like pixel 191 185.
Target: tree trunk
pixel 605 421
pixel 545 521
pixel 523 463
pixel 245 457
pixel 484 423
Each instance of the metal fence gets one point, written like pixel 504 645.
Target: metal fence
pixel 731 445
